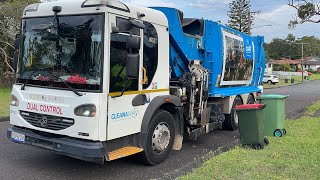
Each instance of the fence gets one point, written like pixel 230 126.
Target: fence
pixel 287 75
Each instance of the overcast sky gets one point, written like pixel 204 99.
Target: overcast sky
pixel 273 12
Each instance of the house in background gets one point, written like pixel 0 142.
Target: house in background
pixel 269 67
pixel 311 64
pixel 278 65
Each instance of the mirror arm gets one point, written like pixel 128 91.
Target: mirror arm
pixel 123 90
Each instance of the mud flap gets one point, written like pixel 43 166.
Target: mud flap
pixel 205 117
pixel 177 145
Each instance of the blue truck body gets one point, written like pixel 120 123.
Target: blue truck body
pixel 206 43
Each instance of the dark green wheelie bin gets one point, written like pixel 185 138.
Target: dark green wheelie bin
pixel 274 114
pixel 251 125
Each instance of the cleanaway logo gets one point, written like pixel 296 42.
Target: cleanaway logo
pixel 125 115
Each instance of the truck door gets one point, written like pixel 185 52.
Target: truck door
pixel 124 116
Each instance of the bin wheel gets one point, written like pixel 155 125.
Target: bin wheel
pixel 259 146
pixel 284 132
pixel 231 120
pixel 266 141
pixel 278 133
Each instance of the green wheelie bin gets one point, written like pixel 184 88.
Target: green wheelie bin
pixel 274 114
pixel 251 125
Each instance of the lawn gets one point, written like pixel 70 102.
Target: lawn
pixel 297 80
pixel 4 102
pixel 295 156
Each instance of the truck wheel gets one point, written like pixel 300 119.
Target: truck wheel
pixel 160 138
pixel 232 122
pixel 251 99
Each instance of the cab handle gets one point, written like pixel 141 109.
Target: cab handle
pixel 145 78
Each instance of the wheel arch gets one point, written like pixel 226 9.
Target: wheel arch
pixel 248 97
pixel 169 103
pixel 241 98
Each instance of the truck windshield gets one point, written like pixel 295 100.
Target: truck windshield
pixel 68 48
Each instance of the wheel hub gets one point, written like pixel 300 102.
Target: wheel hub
pixel 160 138
pixel 236 119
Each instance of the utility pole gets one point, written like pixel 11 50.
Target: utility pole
pixel 302 56
pixel 253 13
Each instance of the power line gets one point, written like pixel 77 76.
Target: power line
pixel 298 29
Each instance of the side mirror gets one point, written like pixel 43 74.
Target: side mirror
pixel 16 52
pixel 137 24
pixel 15 60
pixel 17 42
pixel 133 65
pixel 133 42
pixel 115 29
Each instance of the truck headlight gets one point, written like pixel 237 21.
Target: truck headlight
pixel 14 101
pixel 86 110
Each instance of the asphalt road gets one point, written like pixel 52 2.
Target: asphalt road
pixel 24 162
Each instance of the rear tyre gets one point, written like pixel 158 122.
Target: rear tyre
pixel 231 122
pixel 251 99
pixel 160 138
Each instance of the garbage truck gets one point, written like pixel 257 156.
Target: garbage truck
pixel 100 80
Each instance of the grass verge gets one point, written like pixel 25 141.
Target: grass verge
pixel 4 102
pixel 295 156
pixel 312 109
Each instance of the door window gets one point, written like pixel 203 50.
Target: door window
pixel 150 52
pixel 118 57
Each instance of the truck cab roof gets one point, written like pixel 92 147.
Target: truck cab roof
pixel 73 7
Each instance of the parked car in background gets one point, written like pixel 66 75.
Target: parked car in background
pixel 270 79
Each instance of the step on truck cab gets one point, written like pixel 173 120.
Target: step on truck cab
pixel 99 80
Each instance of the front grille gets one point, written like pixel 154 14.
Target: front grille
pixel 46 121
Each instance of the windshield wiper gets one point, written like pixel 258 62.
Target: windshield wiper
pixel 64 82
pixel 23 87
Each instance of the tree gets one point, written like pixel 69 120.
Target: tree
pixel 10 19
pixel 290 47
pixel 307 11
pixel 240 15
pixel 10 16
pixel 312 49
pixel 291 38
pixel 283 48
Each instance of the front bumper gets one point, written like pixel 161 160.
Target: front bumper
pixel 80 149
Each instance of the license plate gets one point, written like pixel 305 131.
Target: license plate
pixel 18 137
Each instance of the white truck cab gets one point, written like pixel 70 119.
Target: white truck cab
pixel 74 42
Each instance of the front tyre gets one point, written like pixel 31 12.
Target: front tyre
pixel 160 138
